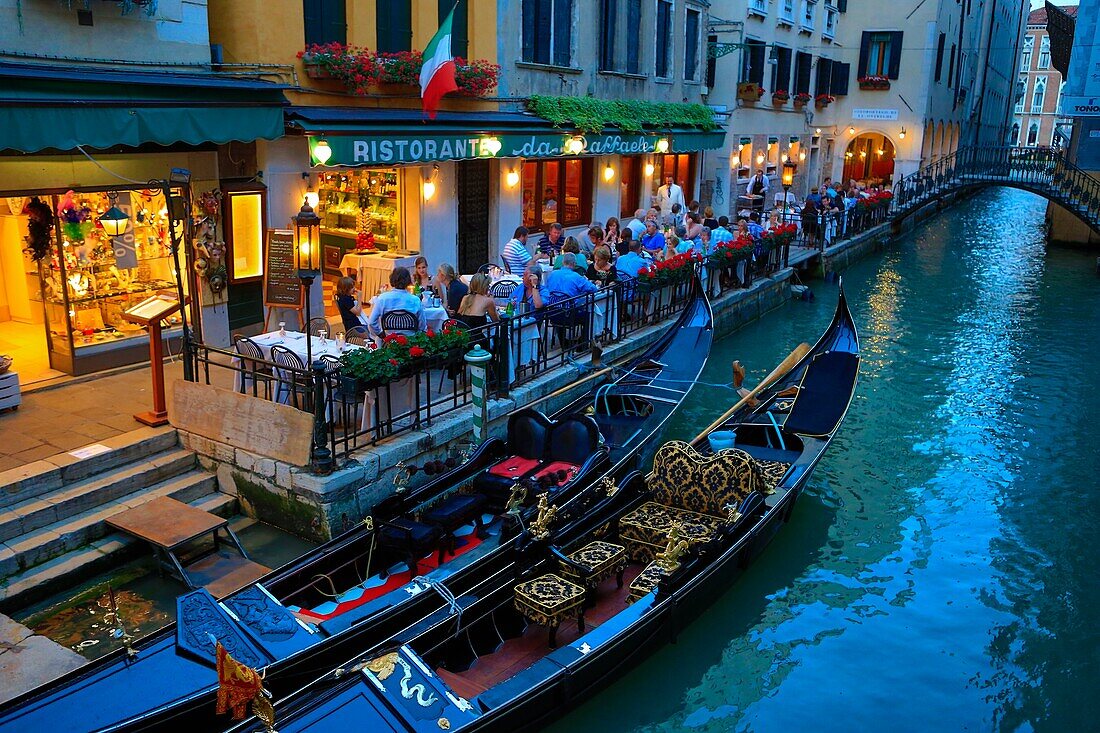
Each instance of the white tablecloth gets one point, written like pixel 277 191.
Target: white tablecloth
pixel 523 347
pixel 296 342
pixel 605 316
pixel 372 271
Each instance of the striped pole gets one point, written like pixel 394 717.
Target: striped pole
pixel 478 359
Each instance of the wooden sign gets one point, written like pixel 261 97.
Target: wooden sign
pixel 282 288
pixel 243 421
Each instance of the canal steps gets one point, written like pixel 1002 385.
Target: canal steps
pixel 53 529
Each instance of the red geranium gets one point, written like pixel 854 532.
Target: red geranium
pixel 416 351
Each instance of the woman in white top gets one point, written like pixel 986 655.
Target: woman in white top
pixel 396 299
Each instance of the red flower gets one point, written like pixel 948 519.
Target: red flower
pixel 393 361
pixel 430 333
pixel 401 340
pixel 416 351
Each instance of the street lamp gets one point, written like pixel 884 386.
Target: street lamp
pixel 114 220
pixel 307 253
pixel 787 179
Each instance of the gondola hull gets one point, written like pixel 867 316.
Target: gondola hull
pixel 169 685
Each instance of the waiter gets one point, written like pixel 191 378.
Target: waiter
pixel 758 188
pixel 670 194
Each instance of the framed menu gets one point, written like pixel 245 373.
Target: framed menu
pixel 282 288
pixel 152 310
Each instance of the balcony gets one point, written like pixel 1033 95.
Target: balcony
pixel 758 8
pixel 806 23
pixel 786 13
pixel 832 15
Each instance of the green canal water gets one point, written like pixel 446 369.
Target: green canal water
pixel 940 571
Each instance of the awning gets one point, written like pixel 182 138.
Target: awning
pixel 361 136
pixel 52 107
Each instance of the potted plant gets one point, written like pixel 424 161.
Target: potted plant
pixel 780 96
pixel 801 98
pixel 823 100
pixel 749 91
pixel 870 83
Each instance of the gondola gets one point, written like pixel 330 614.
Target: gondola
pixel 384 576
pixel 679 537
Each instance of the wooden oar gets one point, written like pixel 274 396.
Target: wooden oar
pixel 568 387
pixel 779 372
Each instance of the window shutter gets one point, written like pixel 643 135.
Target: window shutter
pixel 691 44
pixel 939 55
pixel 756 62
pixel 802 72
pixel 633 24
pixel 712 63
pixel 781 74
pixel 895 54
pixel 824 76
pixel 563 31
pixel 839 85
pixel 842 6
pixel 311 13
pixel 607 34
pixel 543 19
pixel 528 52
pixel 394 25
pixel 864 52
pixel 334 21
pixel 460 44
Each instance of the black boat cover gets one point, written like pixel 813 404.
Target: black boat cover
pixel 817 411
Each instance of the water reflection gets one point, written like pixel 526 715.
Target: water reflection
pixel 937 575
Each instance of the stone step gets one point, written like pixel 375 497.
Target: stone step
pixel 85 495
pixel 27 482
pixel 56 539
pixel 114 549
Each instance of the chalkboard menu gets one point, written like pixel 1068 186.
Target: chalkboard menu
pixel 282 288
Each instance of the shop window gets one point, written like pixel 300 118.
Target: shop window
pixel 244 235
pixel 630 167
pixel 325 21
pixel 557 191
pixel 94 278
pixel 547 31
pixel 773 155
pixel 744 157
pixel 361 204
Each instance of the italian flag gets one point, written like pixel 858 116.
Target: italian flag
pixel 437 75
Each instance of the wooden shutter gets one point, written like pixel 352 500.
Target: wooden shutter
pixel 939 55
pixel 608 9
pixel 691 45
pixel 543 19
pixel 394 25
pixel 864 53
pixel 895 54
pixel 563 31
pixel 781 73
pixel 712 63
pixel 839 85
pixel 633 24
pixel 528 31
pixel 824 81
pixel 756 62
pixel 842 6
pixel 311 13
pixel 802 63
pixel 334 21
pixel 460 36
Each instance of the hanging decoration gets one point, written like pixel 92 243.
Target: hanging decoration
pixel 39 225
pixel 209 249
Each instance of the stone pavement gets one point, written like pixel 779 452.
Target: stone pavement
pixel 18 645
pixel 76 413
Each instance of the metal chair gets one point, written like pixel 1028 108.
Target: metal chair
pixel 318 324
pixel 359 336
pixel 253 372
pixel 348 400
pixel 567 318
pixel 451 372
pixel 400 321
pixel 290 377
pixel 502 288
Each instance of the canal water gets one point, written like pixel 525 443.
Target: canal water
pixel 940 571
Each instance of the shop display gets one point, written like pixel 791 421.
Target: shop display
pixel 93 277
pixel 364 205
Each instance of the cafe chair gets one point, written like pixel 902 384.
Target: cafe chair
pixel 253 371
pixel 359 336
pixel 291 378
pixel 568 319
pixel 316 325
pixel 502 289
pixel 343 400
pixel 400 321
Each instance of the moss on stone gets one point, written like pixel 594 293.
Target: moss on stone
pixel 285 512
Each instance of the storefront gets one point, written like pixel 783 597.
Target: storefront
pixel 87 161
pixel 454 193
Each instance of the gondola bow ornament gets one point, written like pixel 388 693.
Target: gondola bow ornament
pixel 238 685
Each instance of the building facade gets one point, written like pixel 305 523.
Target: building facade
pixel 1038 111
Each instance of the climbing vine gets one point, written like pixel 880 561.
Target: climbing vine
pixel 589 114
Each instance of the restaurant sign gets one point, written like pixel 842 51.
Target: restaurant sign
pixel 351 150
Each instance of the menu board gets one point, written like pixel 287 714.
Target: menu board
pixel 151 310
pixel 282 288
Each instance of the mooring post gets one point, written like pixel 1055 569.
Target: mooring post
pixel 478 359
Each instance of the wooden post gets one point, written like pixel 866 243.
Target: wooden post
pixel 159 414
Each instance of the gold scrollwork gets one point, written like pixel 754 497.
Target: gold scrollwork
pixel 676 548
pixel 368 523
pixel 516 499
pixel 609 486
pixel 402 477
pixel 540 528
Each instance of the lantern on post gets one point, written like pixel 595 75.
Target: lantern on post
pixel 114 220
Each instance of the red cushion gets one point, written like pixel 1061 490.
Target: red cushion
pixel 569 468
pixel 514 467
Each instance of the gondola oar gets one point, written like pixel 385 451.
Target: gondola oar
pixel 778 373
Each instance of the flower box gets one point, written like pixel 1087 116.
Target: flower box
pixel 801 98
pixel 823 100
pixel 749 91
pixel 874 83
pixel 780 96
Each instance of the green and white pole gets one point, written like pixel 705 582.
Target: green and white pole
pixel 478 359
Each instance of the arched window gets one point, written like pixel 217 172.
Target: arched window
pixel 1044 53
pixel 1025 57
pixel 1015 139
pixel 1038 95
pixel 1033 134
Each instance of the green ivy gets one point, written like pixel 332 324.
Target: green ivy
pixel 589 114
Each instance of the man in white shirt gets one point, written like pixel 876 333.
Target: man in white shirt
pixel 670 194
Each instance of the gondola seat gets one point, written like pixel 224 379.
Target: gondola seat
pixel 410 540
pixel 691 490
pixel 646 581
pixel 592 564
pixel 774 471
pixel 550 599
pixel 455 511
pixel 528 438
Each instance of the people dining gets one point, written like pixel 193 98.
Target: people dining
pixel 611 232
pixel 551 242
pixel 653 241
pixel 515 254
pixel 530 295
pixel 637 224
pixel 477 308
pixel 420 274
pixel 566 280
pixel 397 298
pixel 451 289
pixel 571 245
pixel 708 218
pixel 601 271
pixel 347 302
pixel 631 263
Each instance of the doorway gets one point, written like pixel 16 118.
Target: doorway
pixel 473 214
pixel 869 158
pixel 22 327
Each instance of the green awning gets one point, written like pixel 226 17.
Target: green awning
pixel 54 108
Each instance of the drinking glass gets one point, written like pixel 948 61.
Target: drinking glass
pixel 282 329
pixel 322 333
pixel 340 341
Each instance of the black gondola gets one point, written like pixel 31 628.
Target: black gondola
pixel 285 624
pixel 496 670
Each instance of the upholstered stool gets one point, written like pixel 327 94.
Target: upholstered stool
pixel 646 581
pixel 548 600
pixel 602 559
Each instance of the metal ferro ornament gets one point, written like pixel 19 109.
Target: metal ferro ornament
pixel 540 528
pixel 676 548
